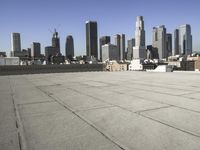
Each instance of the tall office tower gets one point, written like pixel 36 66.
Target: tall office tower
pixel 139 50
pixel 117 43
pixel 176 42
pixel 169 44
pixel 131 44
pixel 185 39
pixel 56 41
pixel 122 47
pixel 91 39
pixel 102 41
pixel 69 47
pixel 159 41
pixel 35 50
pixel 15 42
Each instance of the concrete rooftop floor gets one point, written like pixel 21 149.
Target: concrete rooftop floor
pixel 100 111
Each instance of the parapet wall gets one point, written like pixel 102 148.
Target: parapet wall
pixel 38 69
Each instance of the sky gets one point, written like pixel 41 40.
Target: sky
pixel 34 18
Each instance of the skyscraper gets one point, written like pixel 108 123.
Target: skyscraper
pixel 139 51
pixel 120 43
pixel 102 41
pixel 117 43
pixel 131 44
pixel 169 44
pixel 185 39
pixel 15 42
pixel 122 47
pixel 56 41
pixel 35 50
pixel 159 41
pixel 69 47
pixel 91 39
pixel 176 42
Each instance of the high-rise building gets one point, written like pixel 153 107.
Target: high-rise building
pixel 117 43
pixel 131 44
pixel 139 50
pixel 121 45
pixel 91 39
pixel 69 47
pixel 176 42
pixel 159 41
pixel 50 51
pixel 169 44
pixel 109 52
pixel 102 41
pixel 185 39
pixel 56 41
pixel 15 42
pixel 35 50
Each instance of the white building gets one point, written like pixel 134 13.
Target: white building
pixel 139 51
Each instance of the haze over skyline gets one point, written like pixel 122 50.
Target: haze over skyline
pixel 34 18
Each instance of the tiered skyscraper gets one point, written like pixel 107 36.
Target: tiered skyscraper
pixel 184 40
pixel 56 41
pixel 102 41
pixel 91 39
pixel 69 47
pixel 139 51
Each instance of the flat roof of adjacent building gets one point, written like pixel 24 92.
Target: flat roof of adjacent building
pixel 100 110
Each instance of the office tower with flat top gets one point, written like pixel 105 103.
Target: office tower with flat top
pixel 69 47
pixel 91 39
pixel 102 41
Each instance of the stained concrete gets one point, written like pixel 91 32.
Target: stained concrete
pixel 100 110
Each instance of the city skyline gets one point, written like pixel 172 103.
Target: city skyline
pixel 33 24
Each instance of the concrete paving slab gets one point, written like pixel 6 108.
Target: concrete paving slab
pixel 177 101
pixel 137 132
pixel 62 130
pixel 182 119
pixel 39 108
pixel 9 141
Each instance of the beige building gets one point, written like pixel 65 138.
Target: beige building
pixel 115 66
pixel 196 62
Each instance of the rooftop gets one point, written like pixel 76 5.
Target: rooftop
pixel 100 110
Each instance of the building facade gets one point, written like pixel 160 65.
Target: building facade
pixel 56 41
pixel 185 39
pixel 102 41
pixel 35 50
pixel 139 51
pixel 159 41
pixel 121 45
pixel 69 47
pixel 15 43
pixel 131 44
pixel 91 39
pixel 169 44
pixel 109 52
pixel 176 42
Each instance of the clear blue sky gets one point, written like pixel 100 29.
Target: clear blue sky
pixel 33 18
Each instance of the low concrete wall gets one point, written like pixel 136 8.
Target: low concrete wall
pixel 37 69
